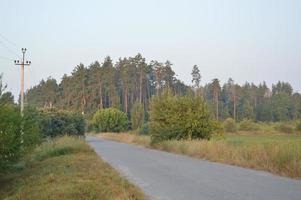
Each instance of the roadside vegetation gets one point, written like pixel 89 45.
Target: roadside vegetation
pixel 183 125
pixel 65 168
pixel 43 155
pixel 246 125
pixel 278 154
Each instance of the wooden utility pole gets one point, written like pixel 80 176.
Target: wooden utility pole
pixel 22 63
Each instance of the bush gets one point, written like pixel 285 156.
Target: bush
pixel 17 135
pixel 32 133
pixel 285 128
pixel 110 120
pixel 298 126
pixel 174 117
pixel 247 125
pixel 10 135
pixel 58 122
pixel 137 115
pixel 229 125
pixel 144 130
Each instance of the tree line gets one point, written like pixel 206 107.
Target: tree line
pixel 132 80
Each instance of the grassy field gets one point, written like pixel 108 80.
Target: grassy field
pixel 279 154
pixel 66 168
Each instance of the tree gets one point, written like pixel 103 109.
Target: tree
pixel 196 77
pixel 216 90
pixel 2 86
pixel 110 120
pixel 232 90
pixel 137 115
pixel 131 79
pixel 179 117
pixel 159 74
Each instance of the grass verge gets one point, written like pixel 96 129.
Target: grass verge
pixel 66 168
pixel 278 154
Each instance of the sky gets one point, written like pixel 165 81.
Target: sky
pixel 254 41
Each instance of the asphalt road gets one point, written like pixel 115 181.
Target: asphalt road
pixel 163 175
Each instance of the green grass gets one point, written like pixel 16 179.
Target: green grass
pixel 279 154
pixel 66 168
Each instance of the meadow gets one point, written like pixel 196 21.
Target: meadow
pixel 65 168
pixel 276 153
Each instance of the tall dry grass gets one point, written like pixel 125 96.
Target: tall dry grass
pixel 282 157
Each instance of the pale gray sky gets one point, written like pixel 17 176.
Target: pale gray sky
pixel 247 40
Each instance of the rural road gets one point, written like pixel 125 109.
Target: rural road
pixel 166 176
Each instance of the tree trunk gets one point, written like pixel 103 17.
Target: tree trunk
pixel 141 82
pixel 126 100
pixel 234 107
pixel 217 106
pixel 100 95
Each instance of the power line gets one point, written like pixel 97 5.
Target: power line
pixel 5 58
pixel 7 40
pixel 9 49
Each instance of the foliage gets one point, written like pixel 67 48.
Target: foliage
pixel 110 120
pixel 58 122
pixel 248 125
pixel 144 130
pixel 229 125
pixel 284 128
pixel 10 135
pixel 175 117
pixel 57 169
pixel 31 129
pixel 137 115
pixel 131 79
pixel 18 135
pixel 6 98
pixel 196 77
pixel 298 126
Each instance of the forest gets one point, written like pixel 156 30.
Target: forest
pixel 132 79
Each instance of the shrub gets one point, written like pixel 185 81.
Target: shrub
pixel 298 126
pixel 174 117
pixel 137 115
pixel 110 120
pixel 144 130
pixel 247 125
pixel 285 128
pixel 18 135
pixel 58 122
pixel 229 125
pixel 32 133
pixel 10 135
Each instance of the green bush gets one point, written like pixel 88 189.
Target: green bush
pixel 32 133
pixel 58 122
pixel 247 125
pixel 144 130
pixel 175 117
pixel 137 115
pixel 298 126
pixel 18 134
pixel 10 135
pixel 229 125
pixel 284 128
pixel 110 120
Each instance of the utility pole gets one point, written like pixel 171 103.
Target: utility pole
pixel 22 63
